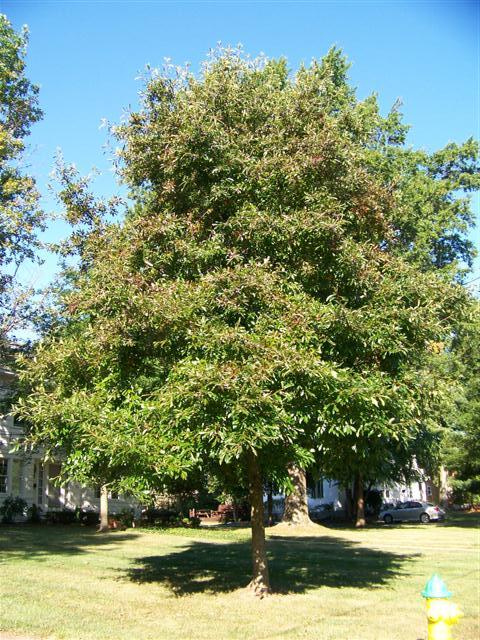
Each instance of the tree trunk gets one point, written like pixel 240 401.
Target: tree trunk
pixel 359 502
pixel 349 506
pixel 103 527
pixel 179 504
pixel 296 504
pixel 260 583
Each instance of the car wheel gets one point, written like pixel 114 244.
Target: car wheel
pixel 388 519
pixel 425 518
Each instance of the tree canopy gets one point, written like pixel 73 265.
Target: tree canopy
pixel 20 217
pixel 269 296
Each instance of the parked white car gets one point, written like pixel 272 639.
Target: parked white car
pixel 412 511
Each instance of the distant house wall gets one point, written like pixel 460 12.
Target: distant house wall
pixel 325 491
pixel 321 491
pixel 25 475
pixel 397 492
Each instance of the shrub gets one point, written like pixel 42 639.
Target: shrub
pixel 71 516
pixel 124 517
pixel 194 522
pixel 373 502
pixel 177 521
pixel 157 516
pixel 12 507
pixel 88 518
pixel 34 514
pixel 61 516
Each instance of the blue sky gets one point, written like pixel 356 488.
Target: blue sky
pixel 85 56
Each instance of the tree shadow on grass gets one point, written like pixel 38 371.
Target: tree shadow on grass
pixel 296 565
pixel 43 541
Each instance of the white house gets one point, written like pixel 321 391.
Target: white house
pixel 324 491
pixel 25 475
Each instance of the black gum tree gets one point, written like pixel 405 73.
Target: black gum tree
pixel 252 309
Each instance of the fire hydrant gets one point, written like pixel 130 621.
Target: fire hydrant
pixel 441 613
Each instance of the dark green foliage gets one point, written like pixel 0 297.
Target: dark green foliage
pixel 125 517
pixel 87 518
pixel 12 507
pixel 34 514
pixel 62 516
pixel 462 438
pixel 166 518
pixel 373 501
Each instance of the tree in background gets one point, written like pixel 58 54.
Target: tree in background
pixel 430 221
pixel 90 465
pixel 432 218
pixel 252 308
pixel 20 217
pixel 461 454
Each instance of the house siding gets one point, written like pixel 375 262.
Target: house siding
pixel 28 477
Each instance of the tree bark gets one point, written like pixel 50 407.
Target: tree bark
pixel 103 527
pixel 260 583
pixel 296 504
pixel 359 502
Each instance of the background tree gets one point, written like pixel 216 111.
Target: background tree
pixel 430 219
pixel 20 216
pixel 249 311
pixel 461 453
pixel 87 217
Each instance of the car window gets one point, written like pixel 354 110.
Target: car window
pixel 416 505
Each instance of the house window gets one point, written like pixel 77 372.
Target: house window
pixel 54 492
pixel 317 489
pixel 40 496
pixel 3 475
pixel 17 473
pixel 429 491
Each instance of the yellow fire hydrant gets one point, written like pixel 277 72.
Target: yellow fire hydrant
pixel 441 613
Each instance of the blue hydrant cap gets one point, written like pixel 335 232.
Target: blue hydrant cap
pixel 436 588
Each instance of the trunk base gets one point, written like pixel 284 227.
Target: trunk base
pixel 102 529
pixel 359 502
pixel 260 584
pixel 258 589
pixel 298 522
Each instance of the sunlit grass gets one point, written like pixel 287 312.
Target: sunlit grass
pixel 331 583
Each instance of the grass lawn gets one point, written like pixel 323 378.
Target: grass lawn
pixel 331 583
